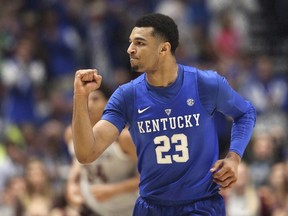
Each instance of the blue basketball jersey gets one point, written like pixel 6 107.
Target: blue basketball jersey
pixel 175 137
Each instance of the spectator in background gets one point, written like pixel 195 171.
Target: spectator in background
pixel 15 156
pixel 227 42
pixel 14 188
pixel 274 194
pixel 243 200
pixel 70 203
pixel 261 157
pixel 55 154
pixel 134 8
pixel 74 17
pixel 179 11
pixel 239 11
pixel 268 91
pixel 21 74
pixel 38 197
pixel 240 71
pixel 107 33
pixel 61 44
pixel 10 26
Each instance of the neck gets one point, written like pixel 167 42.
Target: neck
pixel 163 76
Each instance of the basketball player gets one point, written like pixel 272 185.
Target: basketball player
pixel 109 185
pixel 169 110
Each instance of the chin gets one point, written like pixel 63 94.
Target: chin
pixel 136 69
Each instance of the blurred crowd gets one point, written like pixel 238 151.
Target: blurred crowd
pixel 43 43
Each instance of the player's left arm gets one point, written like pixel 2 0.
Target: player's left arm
pixel 230 103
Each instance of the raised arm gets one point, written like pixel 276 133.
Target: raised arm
pixel 89 141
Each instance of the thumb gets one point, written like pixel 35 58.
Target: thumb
pixel 98 78
pixel 217 166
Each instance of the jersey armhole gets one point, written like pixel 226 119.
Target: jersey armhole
pixel 128 95
pixel 207 89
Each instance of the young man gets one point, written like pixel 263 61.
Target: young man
pixel 169 110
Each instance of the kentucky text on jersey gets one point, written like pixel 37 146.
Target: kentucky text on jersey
pixel 170 123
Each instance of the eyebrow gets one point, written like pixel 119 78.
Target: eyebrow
pixel 138 39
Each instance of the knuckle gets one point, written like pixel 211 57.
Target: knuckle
pixel 80 71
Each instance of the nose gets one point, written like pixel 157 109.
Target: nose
pixel 131 49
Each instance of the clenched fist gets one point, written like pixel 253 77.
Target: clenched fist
pixel 86 81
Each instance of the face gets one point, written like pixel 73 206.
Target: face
pixel 36 174
pixel 96 105
pixel 144 49
pixel 277 175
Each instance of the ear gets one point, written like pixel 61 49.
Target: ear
pixel 166 47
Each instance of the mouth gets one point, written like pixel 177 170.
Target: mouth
pixel 132 59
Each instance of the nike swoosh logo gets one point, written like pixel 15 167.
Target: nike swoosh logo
pixel 143 110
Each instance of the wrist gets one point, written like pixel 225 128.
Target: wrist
pixel 77 94
pixel 234 156
pixel 80 100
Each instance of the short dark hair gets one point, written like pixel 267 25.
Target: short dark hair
pixel 163 25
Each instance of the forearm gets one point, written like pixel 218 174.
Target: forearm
pixel 230 103
pixel 103 192
pixel 128 185
pixel 82 133
pixel 241 131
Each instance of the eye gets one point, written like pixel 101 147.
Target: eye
pixel 139 43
